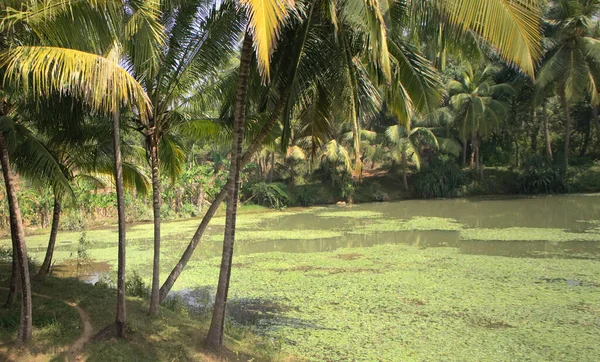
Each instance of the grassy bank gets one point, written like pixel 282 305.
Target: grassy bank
pixel 174 335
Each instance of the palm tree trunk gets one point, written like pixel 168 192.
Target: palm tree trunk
pixel 534 133
pixel 586 139
pixel 404 171
pixel 464 153
pixel 45 268
pixel 479 162
pixel 567 110
pixel 155 294
pixel 217 325
pixel 272 167
pixel 13 287
pixel 547 138
pixel 121 307
pixel 189 251
pixel 25 324
pixel 596 124
pixel 474 149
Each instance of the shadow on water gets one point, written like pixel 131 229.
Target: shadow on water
pixel 260 313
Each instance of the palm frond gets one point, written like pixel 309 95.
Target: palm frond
pixel 100 81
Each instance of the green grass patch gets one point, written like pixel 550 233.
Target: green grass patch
pixel 527 234
pixel 353 214
pixel 413 224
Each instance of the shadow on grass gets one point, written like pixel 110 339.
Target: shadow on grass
pixel 175 334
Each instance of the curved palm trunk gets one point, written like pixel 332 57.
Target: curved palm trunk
pixel 13 287
pixel 189 251
pixel 121 307
pixel 155 294
pixel 216 331
pixel 567 110
pixel 25 324
pixel 45 268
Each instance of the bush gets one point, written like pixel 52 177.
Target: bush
pixel 274 195
pixel 441 178
pixel 312 194
pixel 369 192
pixel 539 176
pixel 73 220
pixel 136 287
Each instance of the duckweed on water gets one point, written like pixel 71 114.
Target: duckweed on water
pixel 245 235
pixel 527 234
pixel 353 214
pixel 402 303
pixel 413 224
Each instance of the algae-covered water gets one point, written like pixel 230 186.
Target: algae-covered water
pixel 463 279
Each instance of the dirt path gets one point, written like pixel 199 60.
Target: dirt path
pixel 74 351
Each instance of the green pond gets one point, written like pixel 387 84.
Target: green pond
pixel 463 279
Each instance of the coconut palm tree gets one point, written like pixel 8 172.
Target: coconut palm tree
pixel 474 98
pixel 572 61
pixel 179 80
pixel 408 144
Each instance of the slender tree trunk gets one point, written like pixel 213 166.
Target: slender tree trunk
pixel 189 251
pixel 155 294
pixel 216 330
pixel 13 288
pixel 404 171
pixel 45 268
pixel 25 324
pixel 586 138
pixel 121 307
pixel 596 125
pixel 567 110
pixel 534 132
pixel 272 167
pixel 464 153
pixel 479 166
pixel 547 138
pixel 356 141
pixel 474 149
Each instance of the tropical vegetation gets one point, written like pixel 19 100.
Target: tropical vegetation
pixel 114 112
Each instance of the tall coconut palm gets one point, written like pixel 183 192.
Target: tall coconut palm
pixel 572 62
pixel 407 144
pixel 474 99
pixel 201 38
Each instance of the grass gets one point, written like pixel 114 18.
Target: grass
pixel 174 335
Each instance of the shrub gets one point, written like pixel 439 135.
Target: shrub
pixel 136 287
pixel 539 176
pixel 369 192
pixel 73 220
pixel 441 178
pixel 274 195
